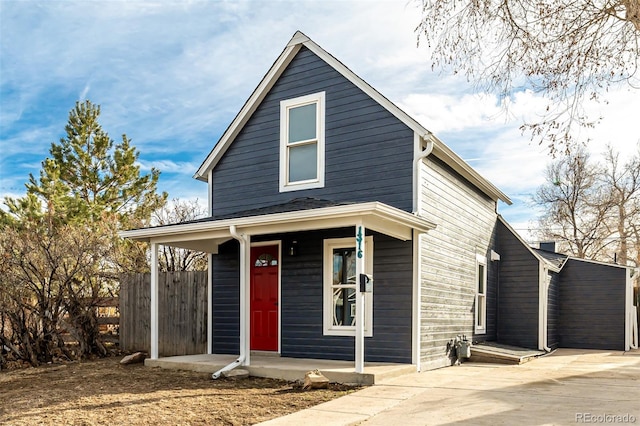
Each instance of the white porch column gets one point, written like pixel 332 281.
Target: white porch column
pixel 210 269
pixel 360 305
pixel 245 332
pixel 209 303
pixel 154 300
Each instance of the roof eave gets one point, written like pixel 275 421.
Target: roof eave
pixel 442 151
pixel 550 266
pixel 386 218
pixel 247 110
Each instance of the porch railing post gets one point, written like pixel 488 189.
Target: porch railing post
pixel 209 303
pixel 154 300
pixel 360 305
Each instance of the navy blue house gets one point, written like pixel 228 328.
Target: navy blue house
pixel 340 228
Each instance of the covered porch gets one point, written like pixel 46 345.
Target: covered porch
pixel 209 235
pixel 283 368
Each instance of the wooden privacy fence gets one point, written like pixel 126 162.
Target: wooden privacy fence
pixel 182 312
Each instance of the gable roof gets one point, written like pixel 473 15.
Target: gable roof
pixel 557 259
pixel 552 263
pixel 299 40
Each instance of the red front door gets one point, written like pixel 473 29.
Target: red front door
pixel 264 298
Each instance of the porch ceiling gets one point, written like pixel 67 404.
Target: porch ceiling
pixel 207 235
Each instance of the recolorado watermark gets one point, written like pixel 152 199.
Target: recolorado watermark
pixel 604 418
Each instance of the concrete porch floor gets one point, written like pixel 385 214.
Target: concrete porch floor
pixel 291 369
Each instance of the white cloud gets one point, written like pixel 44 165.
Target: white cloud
pixel 169 166
pixel 172 75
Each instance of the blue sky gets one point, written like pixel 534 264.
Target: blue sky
pixel 172 75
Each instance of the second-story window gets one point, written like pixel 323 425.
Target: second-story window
pixel 302 142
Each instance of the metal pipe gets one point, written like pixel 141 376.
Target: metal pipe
pixel 226 368
pixel 242 239
pixel 416 172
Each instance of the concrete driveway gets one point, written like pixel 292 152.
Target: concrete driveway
pixel 567 387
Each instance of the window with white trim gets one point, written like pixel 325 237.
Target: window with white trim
pixel 302 142
pixel 481 295
pixel 339 302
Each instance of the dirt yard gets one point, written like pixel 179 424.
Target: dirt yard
pixel 104 392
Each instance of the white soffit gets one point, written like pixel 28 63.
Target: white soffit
pixel 208 234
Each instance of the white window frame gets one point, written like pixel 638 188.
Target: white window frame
pixel 285 106
pixel 481 327
pixel 327 307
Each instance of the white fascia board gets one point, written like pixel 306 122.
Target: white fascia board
pixel 247 110
pixel 442 151
pixel 599 262
pixel 376 216
pixel 381 217
pixel 297 41
pixel 366 88
pixel 447 154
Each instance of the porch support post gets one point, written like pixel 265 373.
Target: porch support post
pixel 245 255
pixel 210 270
pixel 209 303
pixel 154 300
pixel 360 305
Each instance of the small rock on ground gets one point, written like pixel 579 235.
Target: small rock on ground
pixel 236 374
pixel 133 358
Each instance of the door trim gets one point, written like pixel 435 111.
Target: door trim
pixel 279 244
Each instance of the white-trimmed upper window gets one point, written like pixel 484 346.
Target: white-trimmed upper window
pixel 302 142
pixel 481 295
pixel 339 287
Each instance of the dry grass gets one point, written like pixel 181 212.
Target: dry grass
pixel 104 392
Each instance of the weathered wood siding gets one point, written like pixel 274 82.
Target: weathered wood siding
pixel 182 311
pixel 368 156
pixel 592 306
pixel 465 220
pixel 301 300
pixel 518 292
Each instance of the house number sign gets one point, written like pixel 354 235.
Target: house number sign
pixel 359 241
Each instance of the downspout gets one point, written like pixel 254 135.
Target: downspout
pixel 635 342
pixel 631 335
pixel 543 296
pixel 417 245
pixel 242 239
pixel 416 171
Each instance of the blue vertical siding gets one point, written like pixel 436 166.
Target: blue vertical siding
pixel 368 156
pixel 518 292
pixel 592 306
pixel 301 300
pixel 226 299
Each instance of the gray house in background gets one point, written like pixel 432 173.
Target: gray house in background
pixel 341 228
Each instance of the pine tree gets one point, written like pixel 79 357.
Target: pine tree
pixel 88 176
pixel 59 243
